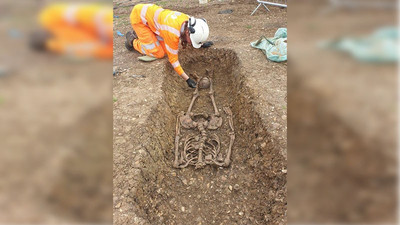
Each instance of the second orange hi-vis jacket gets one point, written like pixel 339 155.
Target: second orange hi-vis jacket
pixel 79 29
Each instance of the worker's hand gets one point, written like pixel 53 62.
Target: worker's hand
pixel 191 83
pixel 207 44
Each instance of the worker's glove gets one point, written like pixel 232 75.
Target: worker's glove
pixel 207 44
pixel 191 83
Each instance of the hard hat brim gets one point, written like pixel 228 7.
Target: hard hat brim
pixel 194 44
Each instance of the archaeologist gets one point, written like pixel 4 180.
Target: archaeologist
pixel 157 31
pixel 79 30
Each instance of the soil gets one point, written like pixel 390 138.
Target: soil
pixel 56 129
pixel 252 190
pixel 343 116
pixel 60 136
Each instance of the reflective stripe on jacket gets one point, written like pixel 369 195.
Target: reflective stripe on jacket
pixel 164 23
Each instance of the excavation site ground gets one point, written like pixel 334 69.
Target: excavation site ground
pixel 148 189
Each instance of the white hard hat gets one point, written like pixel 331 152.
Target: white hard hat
pixel 198 30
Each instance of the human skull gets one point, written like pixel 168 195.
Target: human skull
pixel 204 83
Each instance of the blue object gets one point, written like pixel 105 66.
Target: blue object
pixel 379 47
pixel 14 33
pixel 274 48
pixel 119 33
pixel 115 16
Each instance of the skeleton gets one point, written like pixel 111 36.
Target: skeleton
pixel 204 148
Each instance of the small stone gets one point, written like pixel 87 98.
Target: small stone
pixel 118 205
pixel 284 170
pixel 184 181
pixel 230 187
pixel 275 126
pixel 236 187
pixel 241 213
pixel 115 70
pixel 263 144
pixel 183 209
pixel 284 117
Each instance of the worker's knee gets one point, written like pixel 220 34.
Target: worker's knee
pixel 159 55
pixel 159 52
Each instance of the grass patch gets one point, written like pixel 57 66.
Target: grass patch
pixel 162 3
pixel 123 16
pixel 126 22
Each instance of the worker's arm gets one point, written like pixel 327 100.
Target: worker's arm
pixel 172 52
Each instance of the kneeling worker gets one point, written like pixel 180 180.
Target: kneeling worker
pixel 78 30
pixel 158 31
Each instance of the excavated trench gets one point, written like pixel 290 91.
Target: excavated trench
pixel 252 190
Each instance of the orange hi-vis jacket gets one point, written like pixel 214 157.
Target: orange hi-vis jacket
pixel 79 29
pixel 158 31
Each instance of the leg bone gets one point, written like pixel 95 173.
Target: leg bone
pixel 177 132
pixel 212 98
pixel 228 154
pixel 232 136
pixel 195 96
